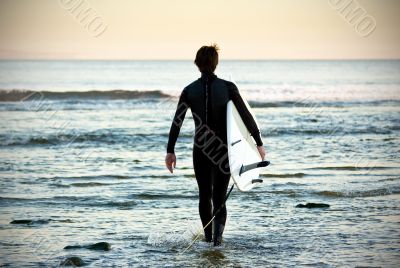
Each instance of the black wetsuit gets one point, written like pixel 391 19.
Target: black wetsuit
pixel 207 98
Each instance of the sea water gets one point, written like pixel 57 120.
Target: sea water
pixel 82 157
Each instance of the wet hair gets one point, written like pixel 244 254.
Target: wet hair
pixel 207 58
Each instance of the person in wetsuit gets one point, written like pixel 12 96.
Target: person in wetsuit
pixel 207 97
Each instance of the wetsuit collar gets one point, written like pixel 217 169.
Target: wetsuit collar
pixel 210 76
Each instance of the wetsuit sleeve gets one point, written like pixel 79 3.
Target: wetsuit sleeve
pixel 177 122
pixel 244 113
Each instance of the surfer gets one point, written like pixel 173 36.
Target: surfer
pixel 207 97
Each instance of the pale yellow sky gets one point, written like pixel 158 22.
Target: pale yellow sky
pixel 175 29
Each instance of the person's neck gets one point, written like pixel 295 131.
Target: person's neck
pixel 207 75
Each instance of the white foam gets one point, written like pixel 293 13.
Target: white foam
pixel 178 238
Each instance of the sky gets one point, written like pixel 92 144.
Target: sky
pixel 175 29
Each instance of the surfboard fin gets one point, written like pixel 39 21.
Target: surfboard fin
pixel 248 167
pixel 235 142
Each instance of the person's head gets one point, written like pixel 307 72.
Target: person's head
pixel 207 58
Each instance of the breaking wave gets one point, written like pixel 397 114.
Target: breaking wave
pixel 30 95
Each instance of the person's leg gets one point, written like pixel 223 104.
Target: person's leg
pixel 202 170
pixel 220 186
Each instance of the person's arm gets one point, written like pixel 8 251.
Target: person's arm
pixel 177 122
pixel 246 116
pixel 170 159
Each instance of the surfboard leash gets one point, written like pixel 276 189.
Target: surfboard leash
pixel 212 219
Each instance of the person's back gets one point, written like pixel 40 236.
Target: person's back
pixel 213 112
pixel 207 98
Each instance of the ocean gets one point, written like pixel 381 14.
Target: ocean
pixel 82 147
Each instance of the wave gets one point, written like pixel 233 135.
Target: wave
pixel 330 132
pixel 289 175
pixel 80 184
pixel 298 191
pixel 88 184
pixel 352 168
pixel 260 104
pixel 16 95
pixel 103 136
pixel 295 184
pixel 285 192
pixel 151 196
pixel 94 177
pixel 366 193
pixel 89 201
pixel 390 179
pixel 315 105
pixel 11 199
pixel 107 136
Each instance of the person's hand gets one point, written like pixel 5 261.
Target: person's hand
pixel 170 160
pixel 261 150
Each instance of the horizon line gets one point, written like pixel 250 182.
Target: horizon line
pixel 172 59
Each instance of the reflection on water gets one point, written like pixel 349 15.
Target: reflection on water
pixel 213 257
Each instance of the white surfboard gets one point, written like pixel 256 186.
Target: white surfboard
pixel 244 159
